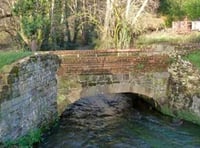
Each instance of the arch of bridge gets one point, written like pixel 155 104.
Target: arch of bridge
pixel 92 72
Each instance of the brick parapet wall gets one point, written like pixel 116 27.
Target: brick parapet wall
pixel 112 61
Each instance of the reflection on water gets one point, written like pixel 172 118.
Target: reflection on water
pixel 111 121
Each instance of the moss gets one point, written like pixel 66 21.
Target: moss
pixel 33 59
pixel 140 66
pixel 189 116
pixel 5 93
pixel 171 60
pixel 6 68
pixel 26 141
pixel 33 138
pixel 109 81
pixel 181 114
pixel 68 82
pixel 194 58
pixel 62 102
pixel 84 78
pixel 166 110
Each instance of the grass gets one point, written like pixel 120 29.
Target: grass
pixel 8 57
pixel 194 58
pixel 169 37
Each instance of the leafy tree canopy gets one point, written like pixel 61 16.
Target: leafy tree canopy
pixel 32 14
pixel 178 9
pixel 192 9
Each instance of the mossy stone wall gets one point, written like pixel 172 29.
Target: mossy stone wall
pixel 28 93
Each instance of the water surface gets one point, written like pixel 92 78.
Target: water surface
pixel 111 121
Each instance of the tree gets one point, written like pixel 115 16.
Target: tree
pixel 179 9
pixel 33 21
pixel 122 22
pixel 57 24
pixel 173 9
pixel 192 9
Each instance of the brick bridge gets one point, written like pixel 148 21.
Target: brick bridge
pixel 34 90
pixel 87 73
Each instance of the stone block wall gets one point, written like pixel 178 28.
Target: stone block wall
pixel 28 93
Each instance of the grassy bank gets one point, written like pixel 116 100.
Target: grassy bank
pixel 194 58
pixel 8 57
pixel 168 37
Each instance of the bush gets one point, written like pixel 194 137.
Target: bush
pixel 177 10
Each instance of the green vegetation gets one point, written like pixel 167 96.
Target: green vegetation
pixel 179 9
pixel 9 57
pixel 189 116
pixel 166 110
pixel 69 24
pixel 65 24
pixel 140 66
pixel 26 141
pixel 181 114
pixel 192 8
pixel 168 37
pixel 33 27
pixel 194 58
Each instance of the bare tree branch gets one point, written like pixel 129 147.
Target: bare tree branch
pixel 139 12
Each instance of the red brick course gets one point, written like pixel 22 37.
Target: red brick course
pixel 111 61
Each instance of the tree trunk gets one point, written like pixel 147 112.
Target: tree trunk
pixel 84 26
pixel 139 12
pixel 109 10
pixel 128 6
pixel 52 26
pixel 63 24
pixel 34 45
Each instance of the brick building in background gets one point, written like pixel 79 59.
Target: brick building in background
pixel 185 26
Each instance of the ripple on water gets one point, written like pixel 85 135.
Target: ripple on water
pixel 110 121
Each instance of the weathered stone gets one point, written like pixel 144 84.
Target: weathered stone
pixel 154 85
pixel 172 87
pixel 183 91
pixel 28 96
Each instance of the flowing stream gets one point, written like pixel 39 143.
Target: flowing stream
pixel 119 121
